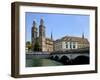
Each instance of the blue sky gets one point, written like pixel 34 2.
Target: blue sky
pixel 59 24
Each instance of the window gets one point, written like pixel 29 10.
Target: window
pixel 74 45
pixel 66 45
pixel 70 45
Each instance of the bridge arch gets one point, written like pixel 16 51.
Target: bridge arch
pixel 51 57
pixel 56 58
pixel 64 59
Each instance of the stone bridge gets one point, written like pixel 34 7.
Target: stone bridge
pixel 80 55
pixel 70 56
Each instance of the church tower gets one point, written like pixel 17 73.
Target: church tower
pixel 42 39
pixel 34 33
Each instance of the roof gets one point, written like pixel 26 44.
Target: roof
pixel 73 39
pixel 49 39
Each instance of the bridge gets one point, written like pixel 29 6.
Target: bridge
pixel 75 56
pixel 71 54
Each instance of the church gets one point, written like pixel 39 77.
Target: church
pixel 39 35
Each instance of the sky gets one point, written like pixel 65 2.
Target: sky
pixel 59 25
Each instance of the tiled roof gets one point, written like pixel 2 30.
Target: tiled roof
pixel 74 39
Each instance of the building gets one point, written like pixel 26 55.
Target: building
pixel 45 44
pixel 70 42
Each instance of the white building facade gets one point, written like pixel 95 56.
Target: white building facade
pixel 67 43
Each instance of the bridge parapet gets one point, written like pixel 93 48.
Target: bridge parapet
pixel 71 54
pixel 80 50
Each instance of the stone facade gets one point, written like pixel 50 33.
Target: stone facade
pixel 49 45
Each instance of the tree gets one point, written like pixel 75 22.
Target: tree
pixel 36 46
pixel 28 45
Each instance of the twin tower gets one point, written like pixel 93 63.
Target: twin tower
pixel 41 38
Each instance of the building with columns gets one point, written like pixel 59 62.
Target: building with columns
pixel 45 44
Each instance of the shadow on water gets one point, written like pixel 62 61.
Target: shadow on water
pixel 81 60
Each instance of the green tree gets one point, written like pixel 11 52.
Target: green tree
pixel 36 46
pixel 28 45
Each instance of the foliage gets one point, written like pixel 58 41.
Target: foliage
pixel 28 45
pixel 37 46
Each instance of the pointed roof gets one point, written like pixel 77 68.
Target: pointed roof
pixel 34 23
pixel 51 36
pixel 41 21
pixel 83 35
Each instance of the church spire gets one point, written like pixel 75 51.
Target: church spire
pixel 83 35
pixel 51 36
pixel 41 21
pixel 34 30
pixel 34 23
